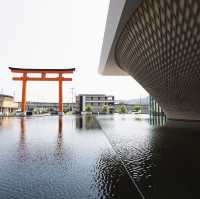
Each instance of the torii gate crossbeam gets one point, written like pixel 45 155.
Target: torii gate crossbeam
pixel 43 72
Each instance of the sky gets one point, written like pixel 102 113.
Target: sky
pixel 58 34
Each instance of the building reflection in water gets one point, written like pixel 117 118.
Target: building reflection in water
pixel 87 122
pixel 158 120
pixel 5 122
pixel 156 114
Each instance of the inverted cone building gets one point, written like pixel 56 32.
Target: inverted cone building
pixel 157 42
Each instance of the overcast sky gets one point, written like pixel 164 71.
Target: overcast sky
pixel 58 33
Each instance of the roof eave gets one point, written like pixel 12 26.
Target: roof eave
pixel 118 14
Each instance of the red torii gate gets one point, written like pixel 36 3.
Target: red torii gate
pixel 24 78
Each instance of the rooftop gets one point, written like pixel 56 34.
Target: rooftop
pixel 39 70
pixel 2 95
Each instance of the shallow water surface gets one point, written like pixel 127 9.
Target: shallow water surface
pixel 59 157
pixel 164 161
pixel 108 156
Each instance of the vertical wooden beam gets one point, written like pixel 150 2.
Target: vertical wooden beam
pixel 24 83
pixel 43 75
pixel 60 90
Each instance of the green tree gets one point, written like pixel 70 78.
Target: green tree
pixel 105 109
pixel 122 109
pixel 137 108
pixel 88 108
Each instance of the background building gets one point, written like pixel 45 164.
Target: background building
pixel 41 107
pixel 7 105
pixel 97 101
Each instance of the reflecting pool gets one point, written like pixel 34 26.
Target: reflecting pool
pixel 163 160
pixel 59 157
pixel 107 156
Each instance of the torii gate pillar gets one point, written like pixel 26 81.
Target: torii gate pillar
pixel 24 85
pixel 60 90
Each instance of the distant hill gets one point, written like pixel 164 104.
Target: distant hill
pixel 144 100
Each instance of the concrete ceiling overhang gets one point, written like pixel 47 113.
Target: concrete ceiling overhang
pixel 118 14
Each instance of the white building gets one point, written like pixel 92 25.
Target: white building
pixel 47 106
pixel 7 105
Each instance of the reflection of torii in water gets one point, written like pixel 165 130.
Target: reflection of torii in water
pixel 43 77
pixel 23 148
pixel 59 146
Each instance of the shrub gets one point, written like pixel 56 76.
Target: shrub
pixel 122 109
pixel 136 108
pixel 105 109
pixel 88 108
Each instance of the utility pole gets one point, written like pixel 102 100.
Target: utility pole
pixel 14 95
pixel 72 91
